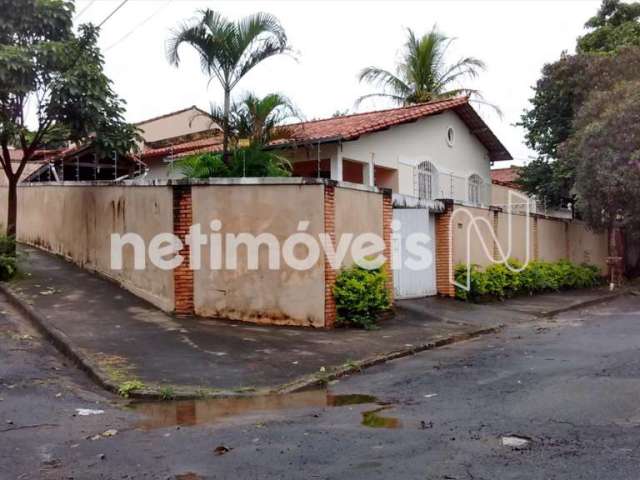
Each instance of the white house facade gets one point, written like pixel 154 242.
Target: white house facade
pixel 430 155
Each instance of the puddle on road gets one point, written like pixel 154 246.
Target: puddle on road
pixel 209 411
pixel 373 419
pixel 188 476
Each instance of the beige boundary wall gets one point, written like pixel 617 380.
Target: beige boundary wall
pixel 351 216
pixel 75 220
pixel 548 239
pixel 283 296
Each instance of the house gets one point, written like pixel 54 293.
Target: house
pixel 420 169
pixel 37 160
pixel 158 137
pixel 168 135
pixel 504 180
pixel 440 149
pixel 436 150
pixel 82 163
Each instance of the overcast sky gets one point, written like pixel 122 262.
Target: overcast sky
pixel 334 40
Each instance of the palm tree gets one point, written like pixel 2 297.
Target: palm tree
pixel 229 50
pixel 423 74
pixel 253 123
pixel 261 120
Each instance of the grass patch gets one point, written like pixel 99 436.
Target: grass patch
pixel 167 393
pixel 126 388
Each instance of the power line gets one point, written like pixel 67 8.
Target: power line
pixel 139 25
pixel 112 13
pixel 79 14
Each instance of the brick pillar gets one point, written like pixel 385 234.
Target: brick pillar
pixel 183 275
pixel 329 272
pixel 387 233
pixel 444 251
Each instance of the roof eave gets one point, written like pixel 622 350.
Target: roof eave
pixel 311 141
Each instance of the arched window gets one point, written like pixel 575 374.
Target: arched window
pixel 475 187
pixel 427 181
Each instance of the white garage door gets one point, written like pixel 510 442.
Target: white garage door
pixel 408 282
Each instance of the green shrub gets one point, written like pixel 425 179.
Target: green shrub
pixel 251 161
pixel 361 295
pixel 499 282
pixel 477 283
pixel 126 388
pixel 8 259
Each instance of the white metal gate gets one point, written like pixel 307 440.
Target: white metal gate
pixel 411 283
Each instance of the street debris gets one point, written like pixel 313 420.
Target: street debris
pixel 517 442
pixel 221 450
pixel 431 395
pixel 85 412
pixel 105 434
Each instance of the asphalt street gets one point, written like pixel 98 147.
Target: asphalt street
pixel 547 399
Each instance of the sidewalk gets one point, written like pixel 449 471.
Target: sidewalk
pixel 118 337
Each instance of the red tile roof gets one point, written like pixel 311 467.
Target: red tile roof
pixel 211 144
pixel 350 127
pixel 16 154
pixel 505 176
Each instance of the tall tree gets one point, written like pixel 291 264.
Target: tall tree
pixel 560 93
pixel 253 123
pixel 550 181
pixel 423 74
pixel 607 54
pixel 229 50
pixel 262 119
pixel 615 25
pixel 52 88
pixel 606 150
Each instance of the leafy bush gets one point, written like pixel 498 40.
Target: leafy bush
pixel 252 161
pixel 8 259
pixel 477 283
pixel 361 295
pixel 126 388
pixel 499 282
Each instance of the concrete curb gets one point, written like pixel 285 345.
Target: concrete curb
pixel 65 346
pixel 584 304
pixel 59 339
pixel 322 378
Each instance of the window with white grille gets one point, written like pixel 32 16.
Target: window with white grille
pixel 475 187
pixel 426 184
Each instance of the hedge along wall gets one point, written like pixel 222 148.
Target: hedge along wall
pixel 77 220
pixel 549 239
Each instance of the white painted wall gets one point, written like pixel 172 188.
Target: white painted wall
pixel 403 146
pixel 176 125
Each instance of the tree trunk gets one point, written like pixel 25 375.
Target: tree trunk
pixel 225 128
pixel 12 206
